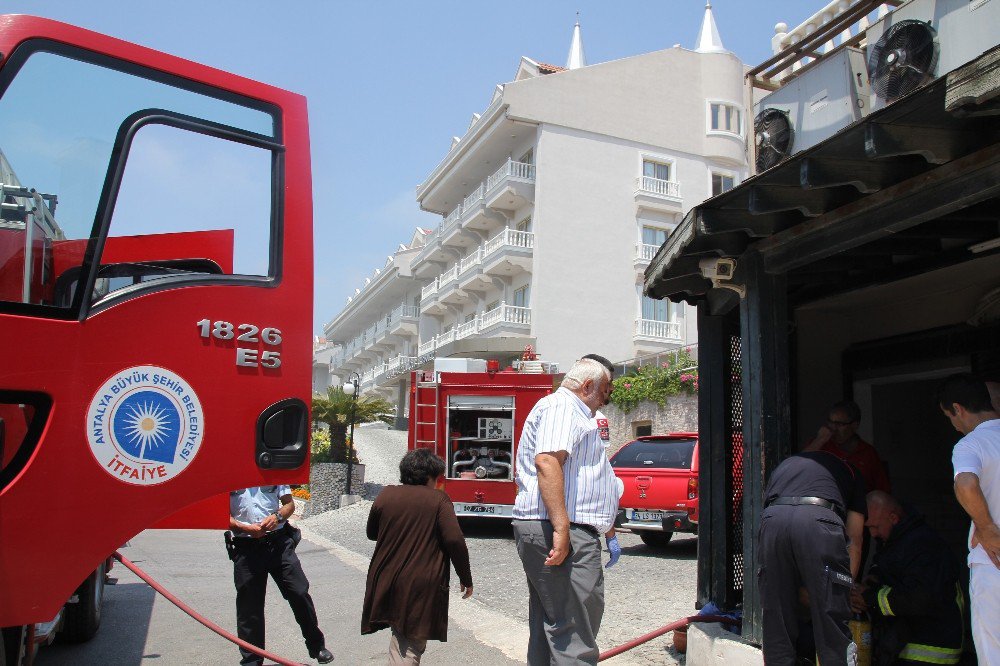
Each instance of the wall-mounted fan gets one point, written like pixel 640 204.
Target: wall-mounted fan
pixel 774 136
pixel 902 60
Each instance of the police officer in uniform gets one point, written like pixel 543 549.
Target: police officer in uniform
pixel 810 536
pixel 262 544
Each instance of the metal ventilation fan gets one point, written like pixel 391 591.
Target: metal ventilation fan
pixel 902 60
pixel 774 137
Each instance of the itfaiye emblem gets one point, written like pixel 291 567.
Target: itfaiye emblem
pixel 145 425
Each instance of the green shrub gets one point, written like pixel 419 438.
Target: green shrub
pixel 656 383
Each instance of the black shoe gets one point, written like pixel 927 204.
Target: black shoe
pixel 322 655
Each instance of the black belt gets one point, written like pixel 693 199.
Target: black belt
pixel 587 528
pixel 267 538
pixel 813 501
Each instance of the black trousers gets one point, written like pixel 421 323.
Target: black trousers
pixel 804 546
pixel 253 561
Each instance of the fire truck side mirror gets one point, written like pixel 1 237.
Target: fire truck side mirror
pixel 282 437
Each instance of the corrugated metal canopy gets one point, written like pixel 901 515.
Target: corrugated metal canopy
pixel 905 187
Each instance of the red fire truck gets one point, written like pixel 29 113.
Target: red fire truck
pixel 155 305
pixel 472 417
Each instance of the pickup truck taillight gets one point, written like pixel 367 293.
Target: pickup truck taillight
pixel 692 488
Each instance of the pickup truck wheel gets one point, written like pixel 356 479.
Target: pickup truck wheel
pixel 655 539
pixel 82 619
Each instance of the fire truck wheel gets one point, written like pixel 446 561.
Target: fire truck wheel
pixel 82 619
pixel 655 539
pixel 13 652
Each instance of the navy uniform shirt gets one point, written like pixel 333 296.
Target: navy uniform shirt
pixel 819 474
pixel 252 505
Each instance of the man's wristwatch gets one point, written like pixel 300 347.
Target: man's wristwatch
pixel 277 515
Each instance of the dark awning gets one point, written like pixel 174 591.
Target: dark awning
pixel 906 188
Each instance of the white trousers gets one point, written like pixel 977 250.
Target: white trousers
pixel 984 593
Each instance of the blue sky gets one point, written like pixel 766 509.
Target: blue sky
pixel 390 82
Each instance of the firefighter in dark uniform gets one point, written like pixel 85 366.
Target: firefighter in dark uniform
pixel 810 537
pixel 912 591
pixel 263 544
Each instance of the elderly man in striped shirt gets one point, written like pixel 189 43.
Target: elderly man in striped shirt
pixel 567 499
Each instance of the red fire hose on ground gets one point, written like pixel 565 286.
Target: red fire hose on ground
pixel 190 611
pixel 613 652
pixel 673 626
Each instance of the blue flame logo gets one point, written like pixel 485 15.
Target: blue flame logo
pixel 147 426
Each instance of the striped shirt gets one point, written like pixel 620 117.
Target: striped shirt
pixel 562 422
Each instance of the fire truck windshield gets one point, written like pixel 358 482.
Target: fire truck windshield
pixel 100 156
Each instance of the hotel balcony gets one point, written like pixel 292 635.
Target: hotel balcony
pixel 470 273
pixel 508 253
pixel 430 304
pixel 394 367
pixel 657 335
pixel 449 291
pixel 404 320
pixel 643 255
pixel 511 186
pixel 429 260
pixel 658 195
pixel 504 321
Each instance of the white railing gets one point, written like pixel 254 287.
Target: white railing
pixel 511 169
pixel 452 219
pixel 509 237
pixel 663 188
pixel 426 347
pixel 647 252
pixel 473 198
pixel 444 338
pixel 471 261
pixel 466 329
pixel 505 314
pixel 402 312
pixel 448 276
pixel 665 330
pixel 429 290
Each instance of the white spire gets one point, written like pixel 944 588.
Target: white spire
pixel 576 58
pixel 708 39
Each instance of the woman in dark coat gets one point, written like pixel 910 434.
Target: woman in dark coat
pixel 417 536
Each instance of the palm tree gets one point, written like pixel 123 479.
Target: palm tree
pixel 334 409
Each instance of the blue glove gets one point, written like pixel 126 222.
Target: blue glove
pixel 615 549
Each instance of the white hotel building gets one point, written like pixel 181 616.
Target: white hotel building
pixel 552 205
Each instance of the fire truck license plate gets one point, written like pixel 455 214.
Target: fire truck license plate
pixel 479 508
pixel 647 515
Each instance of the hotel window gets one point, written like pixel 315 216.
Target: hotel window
pixel 658 170
pixel 721 183
pixel 724 118
pixel 654 309
pixel 525 224
pixel 521 297
pixel 654 236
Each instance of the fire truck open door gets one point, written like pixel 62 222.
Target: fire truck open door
pixel 155 299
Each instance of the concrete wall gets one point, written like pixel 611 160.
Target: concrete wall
pixel 679 415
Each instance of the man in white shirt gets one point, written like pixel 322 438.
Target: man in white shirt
pixel 965 400
pixel 567 499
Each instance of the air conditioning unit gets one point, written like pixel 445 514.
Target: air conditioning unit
pixel 811 107
pixel 924 39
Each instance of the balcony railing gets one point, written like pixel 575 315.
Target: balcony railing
pixel 663 188
pixel 471 261
pixel 426 347
pixel 473 198
pixel 505 314
pixel 511 169
pixel 401 312
pixel 509 237
pixel 452 219
pixel 647 252
pixel 429 290
pixel 665 330
pixel 467 328
pixel 448 276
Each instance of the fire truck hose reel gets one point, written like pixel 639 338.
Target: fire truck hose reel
pixel 204 621
pixel 676 624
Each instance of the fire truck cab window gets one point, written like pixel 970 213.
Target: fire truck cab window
pixel 189 177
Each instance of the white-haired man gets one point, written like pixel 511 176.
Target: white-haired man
pixel 566 501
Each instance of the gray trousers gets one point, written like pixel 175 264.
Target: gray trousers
pixel 566 602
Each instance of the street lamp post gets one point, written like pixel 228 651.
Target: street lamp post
pixel 351 388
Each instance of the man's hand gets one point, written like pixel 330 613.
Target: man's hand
pixel 858 604
pixel 269 523
pixel 466 591
pixel 989 539
pixel 253 530
pixel 560 547
pixel 615 549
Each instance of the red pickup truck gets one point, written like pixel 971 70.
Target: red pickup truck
pixel 660 474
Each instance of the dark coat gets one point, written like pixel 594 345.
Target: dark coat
pixel 417 535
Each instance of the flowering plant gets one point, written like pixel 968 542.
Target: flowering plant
pixel 656 383
pixel 301 493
